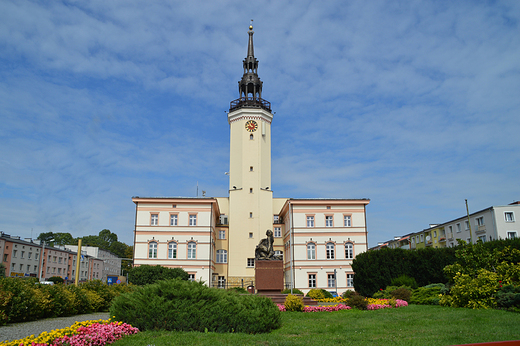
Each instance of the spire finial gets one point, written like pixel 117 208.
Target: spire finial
pixel 251 25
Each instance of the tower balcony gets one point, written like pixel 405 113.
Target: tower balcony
pixel 250 102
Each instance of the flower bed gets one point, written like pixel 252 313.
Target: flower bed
pixel 373 304
pixel 94 332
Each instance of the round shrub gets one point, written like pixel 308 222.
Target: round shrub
pixel 293 303
pixel 427 295
pixel 404 280
pixel 56 279
pixel 317 293
pixel 357 301
pixel 348 294
pixel 191 306
pixel 239 290
pixel 401 293
pixel 294 291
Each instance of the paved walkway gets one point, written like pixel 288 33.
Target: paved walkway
pixel 17 331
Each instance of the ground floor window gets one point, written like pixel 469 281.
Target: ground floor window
pixel 221 282
pixel 350 280
pixel 331 280
pixel 312 280
pixel 191 277
pixel 250 262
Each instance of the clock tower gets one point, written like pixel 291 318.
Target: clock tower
pixel 250 195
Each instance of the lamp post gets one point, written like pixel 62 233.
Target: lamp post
pixel 41 259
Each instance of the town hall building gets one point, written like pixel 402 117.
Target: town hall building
pixel 214 238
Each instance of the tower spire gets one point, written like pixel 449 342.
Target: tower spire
pixel 250 86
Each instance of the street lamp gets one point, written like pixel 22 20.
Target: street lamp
pixel 42 255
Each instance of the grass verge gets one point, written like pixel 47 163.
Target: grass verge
pixel 412 325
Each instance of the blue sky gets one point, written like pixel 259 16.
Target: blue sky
pixel 413 104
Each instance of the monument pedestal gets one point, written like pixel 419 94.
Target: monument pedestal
pixel 269 276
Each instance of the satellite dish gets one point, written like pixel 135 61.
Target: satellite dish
pixel 428 238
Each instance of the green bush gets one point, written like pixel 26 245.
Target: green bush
pixel 427 295
pixel 56 280
pixel 147 274
pixel 402 293
pixel 348 294
pixel 104 291
pixel 23 299
pixel 191 306
pixel 508 297
pixel 404 280
pixel 294 291
pixel 240 290
pixel 357 301
pixel 293 303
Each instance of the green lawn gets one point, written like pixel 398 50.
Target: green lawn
pixel 412 325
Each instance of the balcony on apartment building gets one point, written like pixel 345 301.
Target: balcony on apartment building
pixel 480 229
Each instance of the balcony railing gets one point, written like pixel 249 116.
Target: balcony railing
pixel 250 102
pixel 481 229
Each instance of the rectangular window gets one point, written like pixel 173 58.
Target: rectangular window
pixel 36 257
pixel 482 238
pixel 509 216
pixel 28 268
pixel 221 256
pixel 154 219
pixel 276 218
pixel 328 221
pixel 152 250
pixel 466 225
pixel 173 219
pixel 422 237
pixel 349 251
pixel 221 283
pixel 330 250
pixel 250 234
pixel 311 251
pixel 172 250
pixel 347 221
pixel 277 232
pixel 350 280
pixel 331 281
pixel 511 234
pixel 310 221
pixel 193 220
pixel 29 255
pixel 23 254
pixel 480 221
pixel 191 277
pixel 458 227
pixel 222 234
pixel 250 262
pixel 59 260
pixel 14 253
pixel 312 280
pixel 192 250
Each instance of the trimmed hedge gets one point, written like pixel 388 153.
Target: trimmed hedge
pixel 192 306
pixel 27 300
pixel 375 270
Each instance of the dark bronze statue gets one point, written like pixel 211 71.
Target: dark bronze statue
pixel 264 249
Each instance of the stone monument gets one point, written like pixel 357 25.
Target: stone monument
pixel 268 267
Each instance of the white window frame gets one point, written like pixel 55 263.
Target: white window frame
pixel 221 256
pixel 192 250
pixel 154 219
pixel 329 221
pixel 350 280
pixel 278 232
pixel 458 228
pixel 311 251
pixel 152 249
pixel 329 247
pixel 310 221
pixel 312 280
pixel 347 221
pixel 511 214
pixel 222 234
pixel 349 251
pixel 193 220
pixel 172 250
pixel 221 282
pixel 512 234
pixel 191 277
pixel 174 219
pixel 480 221
pixel 331 280
pixel 250 262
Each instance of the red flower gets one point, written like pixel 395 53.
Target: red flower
pixel 380 289
pixel 500 282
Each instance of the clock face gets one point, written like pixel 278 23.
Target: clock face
pixel 251 126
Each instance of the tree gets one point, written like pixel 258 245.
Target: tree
pixel 2 270
pixel 46 237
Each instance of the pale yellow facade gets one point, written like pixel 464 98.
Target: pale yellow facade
pixel 228 229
